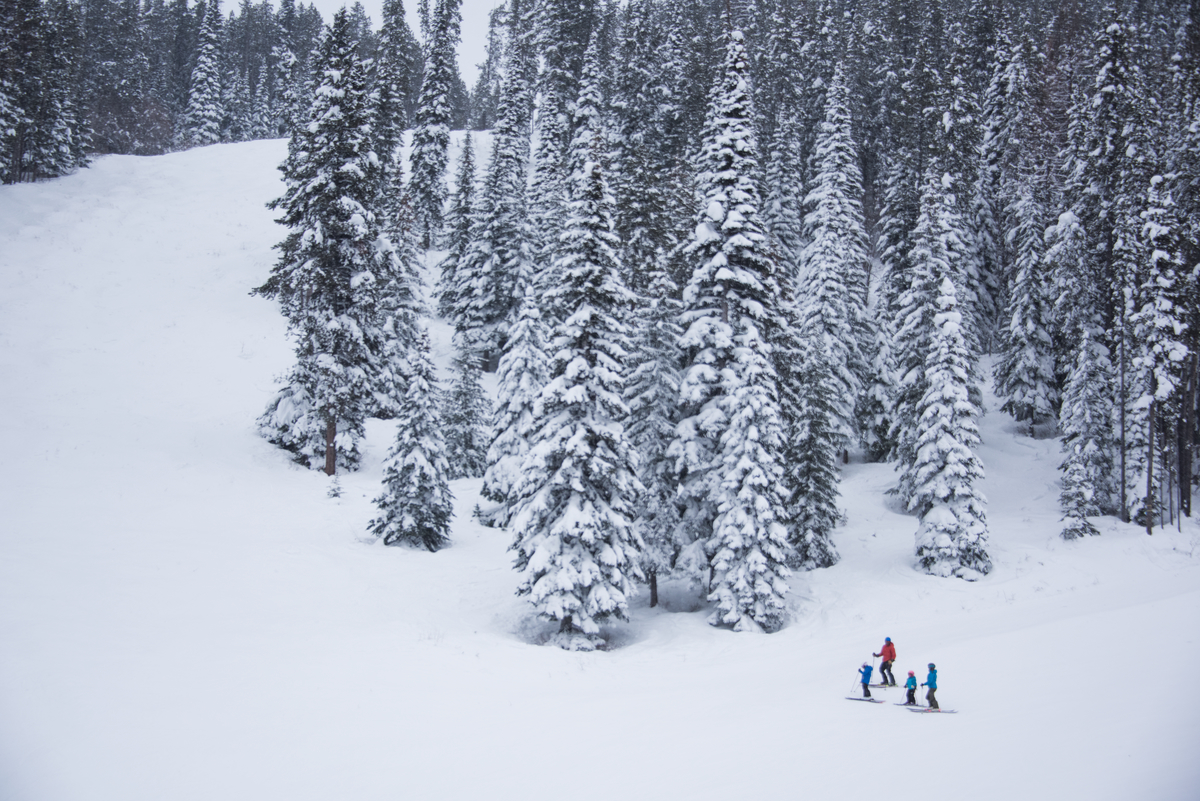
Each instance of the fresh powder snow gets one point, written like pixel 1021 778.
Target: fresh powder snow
pixel 185 614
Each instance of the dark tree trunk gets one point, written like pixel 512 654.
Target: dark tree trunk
pixel 1186 427
pixel 331 447
pixel 653 589
pixel 1121 400
pixel 1148 511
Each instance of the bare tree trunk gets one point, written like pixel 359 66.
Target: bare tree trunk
pixel 1121 399
pixel 1150 471
pixel 653 588
pixel 1185 438
pixel 331 447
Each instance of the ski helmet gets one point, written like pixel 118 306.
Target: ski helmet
pixel 864 664
pixel 887 639
pixel 912 673
pixel 932 666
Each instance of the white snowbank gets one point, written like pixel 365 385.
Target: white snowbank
pixel 184 614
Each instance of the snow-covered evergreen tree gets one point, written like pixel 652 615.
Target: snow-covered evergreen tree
pixel 1085 422
pixel 416 505
pixel 202 121
pixel 834 263
pixel 577 550
pixel 730 441
pixel 522 373
pixel 489 286
pixel 651 391
pixel 465 416
pixel 458 238
pixel 932 263
pixel 952 537
pixel 1025 374
pixel 431 132
pixel 334 265
pixel 1161 323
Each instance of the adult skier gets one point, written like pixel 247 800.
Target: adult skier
pixel 910 684
pixel 931 683
pixel 888 652
pixel 865 670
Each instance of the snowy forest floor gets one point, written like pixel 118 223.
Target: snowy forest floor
pixel 185 614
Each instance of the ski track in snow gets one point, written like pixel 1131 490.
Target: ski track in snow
pixel 184 614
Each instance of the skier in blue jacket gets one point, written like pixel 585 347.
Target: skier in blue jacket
pixel 910 685
pixel 865 670
pixel 931 683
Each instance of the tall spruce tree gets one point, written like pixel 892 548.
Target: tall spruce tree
pixel 205 111
pixel 834 263
pixel 520 376
pixel 416 505
pixel 431 132
pixel 334 266
pixel 578 552
pixel 464 417
pixel 730 444
pixel 489 275
pixel 952 537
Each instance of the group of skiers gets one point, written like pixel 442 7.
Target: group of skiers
pixel 886 679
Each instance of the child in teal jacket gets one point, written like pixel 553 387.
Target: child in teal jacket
pixel 931 683
pixel 911 686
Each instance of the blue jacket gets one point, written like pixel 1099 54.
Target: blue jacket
pixel 931 680
pixel 911 683
pixel 866 674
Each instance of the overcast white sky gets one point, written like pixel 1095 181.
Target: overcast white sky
pixel 471 50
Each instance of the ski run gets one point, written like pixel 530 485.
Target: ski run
pixel 187 615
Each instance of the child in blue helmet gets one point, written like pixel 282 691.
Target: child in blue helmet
pixel 931 683
pixel 910 684
pixel 865 670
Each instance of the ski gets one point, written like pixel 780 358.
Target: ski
pixel 869 700
pixel 910 706
pixel 927 709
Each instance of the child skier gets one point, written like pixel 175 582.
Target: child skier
pixel 911 685
pixel 865 670
pixel 888 652
pixel 931 683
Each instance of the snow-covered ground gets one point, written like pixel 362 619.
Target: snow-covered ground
pixel 185 614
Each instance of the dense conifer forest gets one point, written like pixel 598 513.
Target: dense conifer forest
pixel 714 250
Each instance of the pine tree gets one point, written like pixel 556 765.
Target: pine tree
pixel 1085 424
pixel 730 446
pixel 952 537
pixel 651 391
pixel 521 374
pixel 431 132
pixel 202 120
pixel 1161 326
pixel 834 263
pixel 499 257
pixel 577 550
pixel 933 261
pixel 464 418
pixel 416 505
pixel 462 217
pixel 335 265
pixel 398 63
pixel 1025 373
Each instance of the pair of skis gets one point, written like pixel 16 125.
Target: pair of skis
pixel 910 707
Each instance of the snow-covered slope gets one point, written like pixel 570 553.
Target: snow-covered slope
pixel 184 614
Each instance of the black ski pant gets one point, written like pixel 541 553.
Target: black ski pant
pixel 885 674
pixel 866 690
pixel 929 696
pixel 912 696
